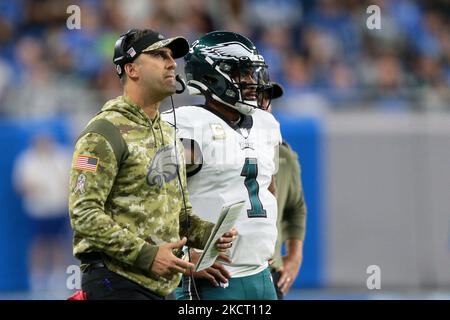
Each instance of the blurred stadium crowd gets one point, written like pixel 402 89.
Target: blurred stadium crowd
pixel 321 51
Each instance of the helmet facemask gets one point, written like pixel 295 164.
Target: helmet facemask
pixel 250 78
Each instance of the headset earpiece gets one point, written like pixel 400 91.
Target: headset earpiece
pixel 118 50
pixel 121 57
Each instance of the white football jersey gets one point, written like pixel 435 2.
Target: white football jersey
pixel 237 164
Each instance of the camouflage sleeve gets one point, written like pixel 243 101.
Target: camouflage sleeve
pixel 92 176
pixel 193 227
pixel 294 215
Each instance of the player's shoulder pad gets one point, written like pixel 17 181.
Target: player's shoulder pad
pixel 185 116
pixel 266 118
pixel 180 112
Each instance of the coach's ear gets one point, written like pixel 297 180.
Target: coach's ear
pixel 132 70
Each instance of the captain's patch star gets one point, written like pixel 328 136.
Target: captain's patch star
pixel 218 131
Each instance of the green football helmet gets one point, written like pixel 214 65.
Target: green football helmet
pixel 226 66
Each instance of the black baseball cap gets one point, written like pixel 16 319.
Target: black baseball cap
pixel 178 45
pixel 151 41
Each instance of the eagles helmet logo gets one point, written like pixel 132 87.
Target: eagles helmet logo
pixel 231 50
pixel 163 167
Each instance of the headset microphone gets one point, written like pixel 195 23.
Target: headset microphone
pixel 182 82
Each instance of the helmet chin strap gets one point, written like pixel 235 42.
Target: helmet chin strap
pixel 247 108
pixel 239 106
pixel 252 103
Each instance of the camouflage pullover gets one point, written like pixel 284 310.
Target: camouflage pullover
pixel 125 198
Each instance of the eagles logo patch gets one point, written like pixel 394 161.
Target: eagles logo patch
pixel 163 167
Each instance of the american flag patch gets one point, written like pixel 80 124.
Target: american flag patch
pixel 86 163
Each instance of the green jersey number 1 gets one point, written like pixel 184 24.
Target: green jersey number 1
pixel 250 172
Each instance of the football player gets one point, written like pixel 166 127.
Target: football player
pixel 232 147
